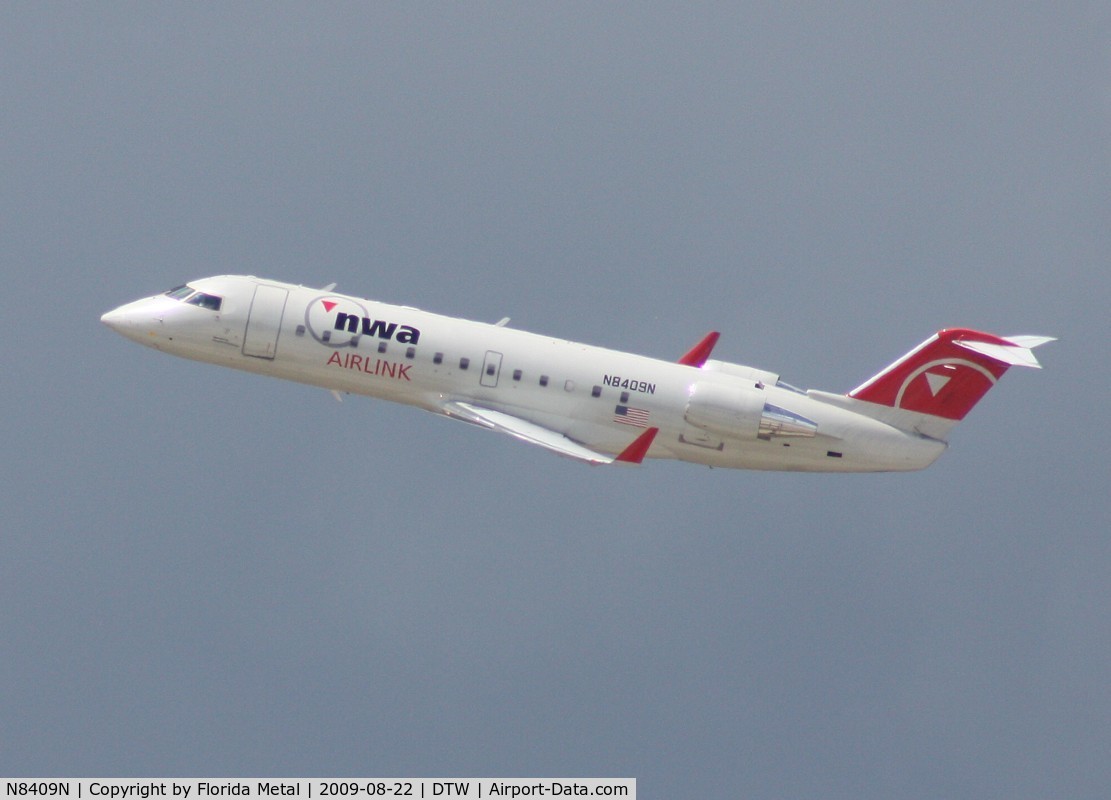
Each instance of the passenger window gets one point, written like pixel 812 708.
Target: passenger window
pixel 411 352
pixel 516 374
pixel 382 346
pixel 596 391
pixel 464 363
pixel 569 386
pixel 491 369
pixel 438 358
pixel 543 380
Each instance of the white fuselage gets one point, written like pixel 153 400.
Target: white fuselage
pixel 719 414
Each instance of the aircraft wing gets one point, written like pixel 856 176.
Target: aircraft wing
pixel 525 431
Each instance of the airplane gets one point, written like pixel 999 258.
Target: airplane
pixel 588 403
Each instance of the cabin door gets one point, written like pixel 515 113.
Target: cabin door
pixel 264 322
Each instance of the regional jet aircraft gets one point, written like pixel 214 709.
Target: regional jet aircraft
pixel 588 403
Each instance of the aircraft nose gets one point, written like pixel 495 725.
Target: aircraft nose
pixel 131 320
pixel 115 319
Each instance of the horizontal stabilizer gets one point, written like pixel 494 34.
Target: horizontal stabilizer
pixel 1017 352
pixel 1030 341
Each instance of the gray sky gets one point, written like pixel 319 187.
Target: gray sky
pixel 212 573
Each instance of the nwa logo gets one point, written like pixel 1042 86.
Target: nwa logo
pixel 342 322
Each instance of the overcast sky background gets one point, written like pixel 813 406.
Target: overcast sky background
pixel 211 573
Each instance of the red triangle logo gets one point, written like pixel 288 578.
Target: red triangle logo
pixel 329 304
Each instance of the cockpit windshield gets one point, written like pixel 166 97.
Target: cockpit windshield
pixel 195 298
pixel 209 301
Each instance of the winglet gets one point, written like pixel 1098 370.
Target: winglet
pixel 635 452
pixel 697 355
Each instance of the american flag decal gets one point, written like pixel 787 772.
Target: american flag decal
pixel 627 415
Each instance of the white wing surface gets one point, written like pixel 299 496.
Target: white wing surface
pixel 525 431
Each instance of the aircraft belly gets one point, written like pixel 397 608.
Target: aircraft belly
pixel 843 442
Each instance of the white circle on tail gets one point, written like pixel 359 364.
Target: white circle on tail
pixel 939 381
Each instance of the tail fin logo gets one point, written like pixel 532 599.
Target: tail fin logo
pixel 946 375
pixel 945 387
pixel 937 382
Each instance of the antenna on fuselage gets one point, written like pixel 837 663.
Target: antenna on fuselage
pixel 329 287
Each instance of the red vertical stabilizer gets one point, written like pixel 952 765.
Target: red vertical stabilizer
pixel 946 375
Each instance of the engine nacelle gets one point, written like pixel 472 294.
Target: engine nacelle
pixel 736 411
pixel 761 376
pixel 731 409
